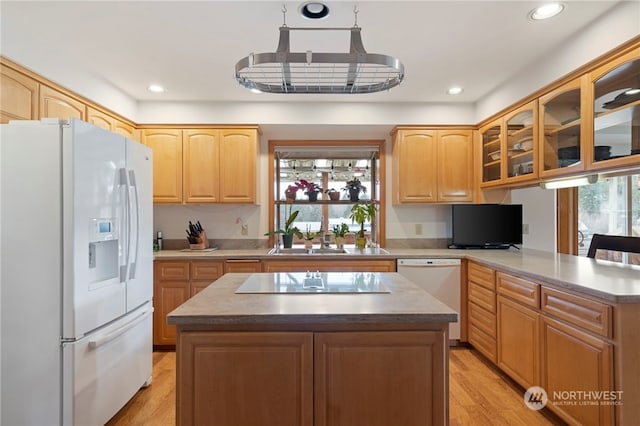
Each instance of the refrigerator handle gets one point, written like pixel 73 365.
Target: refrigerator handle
pixel 103 340
pixel 136 203
pixel 126 225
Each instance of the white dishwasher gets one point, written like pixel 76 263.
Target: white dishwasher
pixel 438 277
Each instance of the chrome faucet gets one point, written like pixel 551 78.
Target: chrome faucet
pixel 324 241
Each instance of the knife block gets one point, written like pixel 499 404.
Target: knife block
pixel 202 244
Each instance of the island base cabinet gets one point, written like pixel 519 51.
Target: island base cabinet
pixel 380 379
pixel 576 365
pixel 289 378
pixel 245 379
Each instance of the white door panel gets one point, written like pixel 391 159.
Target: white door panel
pixel 140 274
pixel 108 367
pixel 94 287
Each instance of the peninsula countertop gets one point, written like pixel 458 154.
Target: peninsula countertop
pixel 606 280
pixel 219 304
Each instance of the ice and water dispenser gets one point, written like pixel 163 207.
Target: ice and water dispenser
pixel 103 251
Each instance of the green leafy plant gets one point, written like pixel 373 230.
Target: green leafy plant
pixel 361 213
pixel 355 184
pixel 308 235
pixel 288 228
pixel 340 230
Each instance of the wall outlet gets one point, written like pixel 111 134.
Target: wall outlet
pixel 418 228
pixel 525 228
pixel 244 230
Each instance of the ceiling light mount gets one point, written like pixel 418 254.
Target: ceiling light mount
pixel 310 72
pixel 314 10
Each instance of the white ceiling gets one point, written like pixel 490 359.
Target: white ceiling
pixel 192 47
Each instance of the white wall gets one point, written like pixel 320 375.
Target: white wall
pixel 538 212
pixel 617 26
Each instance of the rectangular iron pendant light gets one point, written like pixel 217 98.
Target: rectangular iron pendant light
pixel 310 72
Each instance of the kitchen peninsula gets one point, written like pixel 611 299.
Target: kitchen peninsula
pixel 372 352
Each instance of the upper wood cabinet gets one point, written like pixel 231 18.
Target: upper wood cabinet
pixel 238 157
pixel 203 165
pixel 615 93
pixel 166 145
pixel 19 96
pixel 55 104
pixel 201 153
pixel 99 118
pixel 126 130
pixel 561 130
pixel 432 166
pixel 521 136
pixel 491 153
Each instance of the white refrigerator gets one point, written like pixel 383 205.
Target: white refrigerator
pixel 76 272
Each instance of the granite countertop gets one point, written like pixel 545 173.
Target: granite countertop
pixel 219 304
pixel 605 280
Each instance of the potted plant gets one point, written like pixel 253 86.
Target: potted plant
pixel 290 192
pixel 334 194
pixel 361 213
pixel 339 231
pixel 354 187
pixel 308 237
pixel 311 190
pixel 288 230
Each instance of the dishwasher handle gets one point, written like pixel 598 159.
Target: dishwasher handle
pixel 428 262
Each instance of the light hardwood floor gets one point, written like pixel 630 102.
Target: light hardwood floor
pixel 479 395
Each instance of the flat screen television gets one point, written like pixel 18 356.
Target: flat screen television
pixel 486 225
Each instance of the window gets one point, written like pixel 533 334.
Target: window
pixel 610 206
pixel 329 165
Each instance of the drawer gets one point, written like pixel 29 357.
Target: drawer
pixel 483 343
pixel 482 275
pixel 518 289
pixel 482 297
pixel 172 271
pixel 480 318
pixel 206 270
pixel 585 313
pixel 242 265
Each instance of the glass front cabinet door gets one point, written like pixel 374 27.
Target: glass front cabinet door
pixel 560 129
pixel 491 136
pixel 616 113
pixel 521 138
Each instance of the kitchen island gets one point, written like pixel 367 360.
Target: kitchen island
pixel 373 352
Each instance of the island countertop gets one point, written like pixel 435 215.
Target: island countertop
pixel 219 304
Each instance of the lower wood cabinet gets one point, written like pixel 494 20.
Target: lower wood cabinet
pixel 174 283
pixel 518 345
pixel 367 378
pixel 560 341
pixel 573 360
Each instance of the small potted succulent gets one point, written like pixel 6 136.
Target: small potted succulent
pixel 308 237
pixel 354 187
pixel 288 230
pixel 339 231
pixel 334 194
pixel 361 213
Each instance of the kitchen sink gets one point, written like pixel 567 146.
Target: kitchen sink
pixel 324 250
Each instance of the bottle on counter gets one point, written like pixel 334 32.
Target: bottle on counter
pixel 159 240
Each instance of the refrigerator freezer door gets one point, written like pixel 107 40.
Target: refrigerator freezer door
pixel 103 370
pixel 140 181
pixel 94 288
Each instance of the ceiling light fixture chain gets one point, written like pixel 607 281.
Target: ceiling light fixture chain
pixel 310 72
pixel 284 15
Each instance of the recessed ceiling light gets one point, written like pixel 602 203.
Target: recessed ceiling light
pixel 546 11
pixel 632 92
pixel 455 90
pixel 156 88
pixel 314 10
